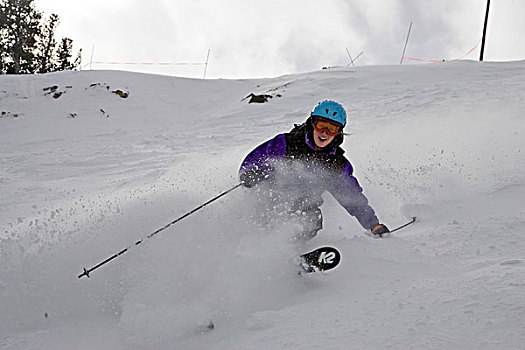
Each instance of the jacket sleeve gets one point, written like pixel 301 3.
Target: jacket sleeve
pixel 347 191
pixel 260 157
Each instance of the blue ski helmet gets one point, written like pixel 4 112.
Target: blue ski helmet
pixel 330 110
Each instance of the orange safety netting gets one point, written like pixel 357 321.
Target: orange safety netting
pixel 443 60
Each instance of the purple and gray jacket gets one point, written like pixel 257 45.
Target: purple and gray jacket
pixel 301 174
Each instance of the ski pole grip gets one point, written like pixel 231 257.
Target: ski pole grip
pixel 405 225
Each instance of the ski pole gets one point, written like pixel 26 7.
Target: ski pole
pixel 88 271
pixel 405 225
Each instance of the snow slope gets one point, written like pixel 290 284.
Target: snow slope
pixel 88 173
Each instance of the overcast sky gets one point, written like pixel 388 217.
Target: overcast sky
pixel 252 39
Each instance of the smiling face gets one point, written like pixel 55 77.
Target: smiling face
pixel 324 131
pixel 322 138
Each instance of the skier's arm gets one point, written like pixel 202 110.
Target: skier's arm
pixel 257 164
pixel 347 191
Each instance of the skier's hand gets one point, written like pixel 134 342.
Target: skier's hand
pixel 252 177
pixel 379 230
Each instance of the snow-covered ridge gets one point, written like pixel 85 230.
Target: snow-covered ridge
pixel 86 170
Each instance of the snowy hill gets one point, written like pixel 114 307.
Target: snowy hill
pixel 92 161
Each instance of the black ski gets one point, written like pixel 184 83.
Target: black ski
pixel 321 259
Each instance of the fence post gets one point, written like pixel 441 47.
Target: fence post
pixel 351 60
pixel 484 32
pixel 206 64
pixel 91 60
pixel 404 49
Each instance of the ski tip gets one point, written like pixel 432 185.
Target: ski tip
pixel 319 260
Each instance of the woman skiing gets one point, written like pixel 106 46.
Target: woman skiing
pixel 291 171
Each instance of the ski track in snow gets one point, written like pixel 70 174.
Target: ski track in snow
pixel 89 173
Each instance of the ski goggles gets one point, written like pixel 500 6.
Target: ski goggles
pixel 321 124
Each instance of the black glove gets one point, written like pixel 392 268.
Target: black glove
pixel 379 230
pixel 252 177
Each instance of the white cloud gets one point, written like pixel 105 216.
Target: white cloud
pixel 251 38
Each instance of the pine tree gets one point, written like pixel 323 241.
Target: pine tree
pixel 19 30
pixel 3 48
pixel 47 45
pixel 27 43
pixel 64 55
pixel 78 60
